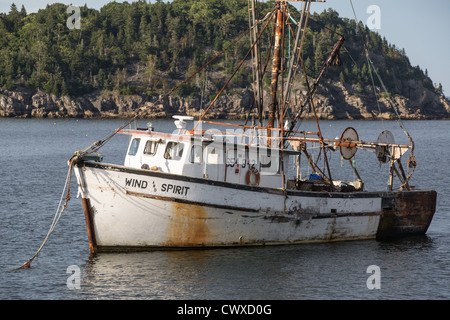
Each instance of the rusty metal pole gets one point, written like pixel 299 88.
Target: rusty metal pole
pixel 89 225
pixel 256 60
pixel 276 62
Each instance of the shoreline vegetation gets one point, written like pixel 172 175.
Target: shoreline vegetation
pixel 125 57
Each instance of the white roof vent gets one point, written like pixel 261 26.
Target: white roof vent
pixel 180 123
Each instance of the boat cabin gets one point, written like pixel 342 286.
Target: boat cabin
pixel 218 157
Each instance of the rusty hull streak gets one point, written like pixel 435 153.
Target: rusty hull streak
pixel 188 226
pixel 87 208
pixel 406 214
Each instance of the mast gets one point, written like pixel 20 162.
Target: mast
pixel 256 66
pixel 276 63
pixel 281 10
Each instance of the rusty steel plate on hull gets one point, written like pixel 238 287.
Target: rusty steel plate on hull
pixel 406 213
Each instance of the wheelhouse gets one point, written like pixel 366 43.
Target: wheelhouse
pixel 219 157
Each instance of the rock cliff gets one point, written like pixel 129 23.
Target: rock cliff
pixel 333 100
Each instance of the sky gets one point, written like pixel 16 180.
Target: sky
pixel 420 27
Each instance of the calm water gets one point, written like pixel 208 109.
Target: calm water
pixel 33 168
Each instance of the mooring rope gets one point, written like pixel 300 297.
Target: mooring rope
pixel 56 218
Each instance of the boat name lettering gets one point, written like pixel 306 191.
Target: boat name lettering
pixel 172 188
pixel 136 183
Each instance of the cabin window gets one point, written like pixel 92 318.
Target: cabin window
pixel 150 148
pixel 134 146
pixel 174 151
pixel 196 154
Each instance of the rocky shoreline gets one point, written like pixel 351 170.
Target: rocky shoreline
pixel 333 101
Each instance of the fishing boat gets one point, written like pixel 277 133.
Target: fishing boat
pixel 199 188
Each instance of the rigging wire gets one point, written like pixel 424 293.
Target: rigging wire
pixel 326 27
pixel 98 144
pixel 375 93
pixel 237 69
pixel 412 163
pixel 293 65
pixel 372 67
pixel 218 54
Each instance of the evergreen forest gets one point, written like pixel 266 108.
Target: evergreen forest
pixel 146 48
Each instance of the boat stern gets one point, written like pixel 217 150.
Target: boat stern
pixel 406 213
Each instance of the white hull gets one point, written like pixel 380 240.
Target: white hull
pixel 140 209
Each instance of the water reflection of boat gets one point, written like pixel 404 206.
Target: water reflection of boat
pixel 228 187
